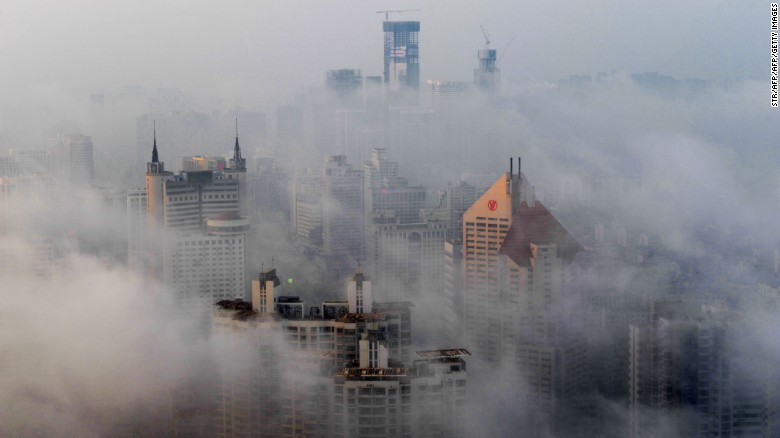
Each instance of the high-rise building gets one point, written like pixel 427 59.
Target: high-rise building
pixel 514 258
pixel 342 215
pixel 203 268
pixel 488 75
pixel 307 210
pixel 485 226
pixel 402 59
pixel 689 372
pixel 444 94
pixel 406 258
pixel 80 160
pixel 270 192
pixel 458 199
pixel 194 233
pixel 347 86
pixel 136 229
pixel 289 373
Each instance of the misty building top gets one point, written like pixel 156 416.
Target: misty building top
pixel 538 226
pixel 353 373
pixel 443 354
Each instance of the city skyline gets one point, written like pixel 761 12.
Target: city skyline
pixel 582 245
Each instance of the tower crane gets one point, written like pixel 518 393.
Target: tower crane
pixel 487 37
pixel 387 13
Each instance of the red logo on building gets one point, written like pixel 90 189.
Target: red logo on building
pixel 492 205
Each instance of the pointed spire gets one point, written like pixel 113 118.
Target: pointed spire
pixel 237 151
pixel 155 158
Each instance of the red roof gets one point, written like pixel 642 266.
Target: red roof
pixel 536 225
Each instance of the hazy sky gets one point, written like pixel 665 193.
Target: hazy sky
pixel 245 50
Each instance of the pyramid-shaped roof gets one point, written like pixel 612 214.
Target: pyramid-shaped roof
pixel 535 224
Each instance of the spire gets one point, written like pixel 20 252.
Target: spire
pixel 155 158
pixel 237 151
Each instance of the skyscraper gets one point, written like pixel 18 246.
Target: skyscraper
pixel 514 258
pixel 342 214
pixel 323 375
pixel 194 233
pixel 402 62
pixel 82 165
pixel 487 76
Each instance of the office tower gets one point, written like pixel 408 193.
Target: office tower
pixel 452 314
pixel 33 257
pixel 270 191
pixel 203 268
pixel 33 162
pixel 81 163
pixel 307 210
pixel 458 199
pixel 691 372
pixel 378 168
pixel 402 63
pixel 346 86
pixel 190 198
pixel 515 254
pixel 136 229
pixel 444 94
pixel 485 225
pixel 374 400
pixel 342 215
pixel 288 374
pixel 407 259
pixel 488 75
pixel 195 236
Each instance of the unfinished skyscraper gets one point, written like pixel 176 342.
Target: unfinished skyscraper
pixel 402 63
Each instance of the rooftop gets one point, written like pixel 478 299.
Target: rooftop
pixel 536 225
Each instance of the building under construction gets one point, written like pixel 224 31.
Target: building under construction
pixel 402 57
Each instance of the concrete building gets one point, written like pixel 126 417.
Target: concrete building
pixel 346 85
pixel 444 95
pixel 689 372
pixel 80 158
pixel 402 60
pixel 515 255
pixel 194 233
pixel 406 259
pixel 203 268
pixel 136 229
pixel 487 76
pixel 307 210
pixel 291 374
pixel 342 216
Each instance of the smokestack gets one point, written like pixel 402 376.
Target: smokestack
pixel 518 166
pixel 511 164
